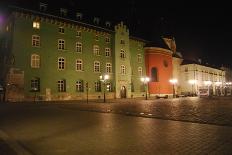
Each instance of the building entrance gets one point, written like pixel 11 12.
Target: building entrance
pixel 123 92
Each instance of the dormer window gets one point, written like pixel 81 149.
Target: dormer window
pixel 96 20
pixel 63 12
pixel 79 16
pixel 107 24
pixel 43 7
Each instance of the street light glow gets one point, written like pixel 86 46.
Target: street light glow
pixel 192 81
pixel 208 83
pixel 145 79
pixel 218 83
pixel 173 81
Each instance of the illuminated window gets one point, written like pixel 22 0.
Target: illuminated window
pixel 79 65
pixel 108 67
pixel 107 52
pixel 36 25
pixel 61 63
pixel 78 47
pixel 139 58
pixel 79 86
pixel 109 87
pixel 35 61
pixel 97 66
pixel 35 41
pixel 123 69
pixel 61 44
pixel 96 50
pixel 61 85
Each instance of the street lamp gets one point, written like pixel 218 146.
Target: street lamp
pixel 145 80
pixel 192 82
pixel 103 79
pixel 208 83
pixel 173 82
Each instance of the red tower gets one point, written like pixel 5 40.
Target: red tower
pixel 159 69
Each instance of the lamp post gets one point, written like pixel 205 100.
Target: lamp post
pixel 173 82
pixel 192 82
pixel 103 79
pixel 145 81
pixel 208 83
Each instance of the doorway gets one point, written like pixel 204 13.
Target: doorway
pixel 123 92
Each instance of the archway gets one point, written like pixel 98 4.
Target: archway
pixel 123 92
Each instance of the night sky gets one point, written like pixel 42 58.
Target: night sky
pixel 201 30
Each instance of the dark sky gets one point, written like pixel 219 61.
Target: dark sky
pixel 201 29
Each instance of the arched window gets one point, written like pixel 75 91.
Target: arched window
pixel 154 75
pixel 35 61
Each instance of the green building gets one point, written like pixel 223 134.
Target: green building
pixel 55 57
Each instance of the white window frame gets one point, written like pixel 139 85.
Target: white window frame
pixel 107 52
pixel 61 30
pixel 96 50
pixel 122 54
pixel 78 47
pixel 61 63
pixel 61 85
pixel 97 67
pixel 61 44
pixel 79 65
pixel 79 86
pixel 123 69
pixel 35 61
pixel 97 86
pixel 35 41
pixel 108 68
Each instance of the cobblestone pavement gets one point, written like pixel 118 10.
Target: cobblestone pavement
pixel 216 111
pixel 61 130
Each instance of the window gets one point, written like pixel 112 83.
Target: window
pixel 97 85
pixel 186 69
pixel 61 86
pixel 61 30
pixel 122 41
pixel 139 58
pixel 140 71
pixel 35 41
pixel 79 16
pixel 107 39
pixel 78 47
pixel 96 50
pixel 107 52
pixel 61 63
pixel 122 54
pixel 63 12
pixel 35 84
pixel 123 69
pixel 79 65
pixel 154 75
pixel 43 7
pixel 61 44
pixel 36 25
pixel 108 68
pixel 109 87
pixel 78 34
pixel 97 37
pixel 96 66
pixel 79 86
pixel 35 61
